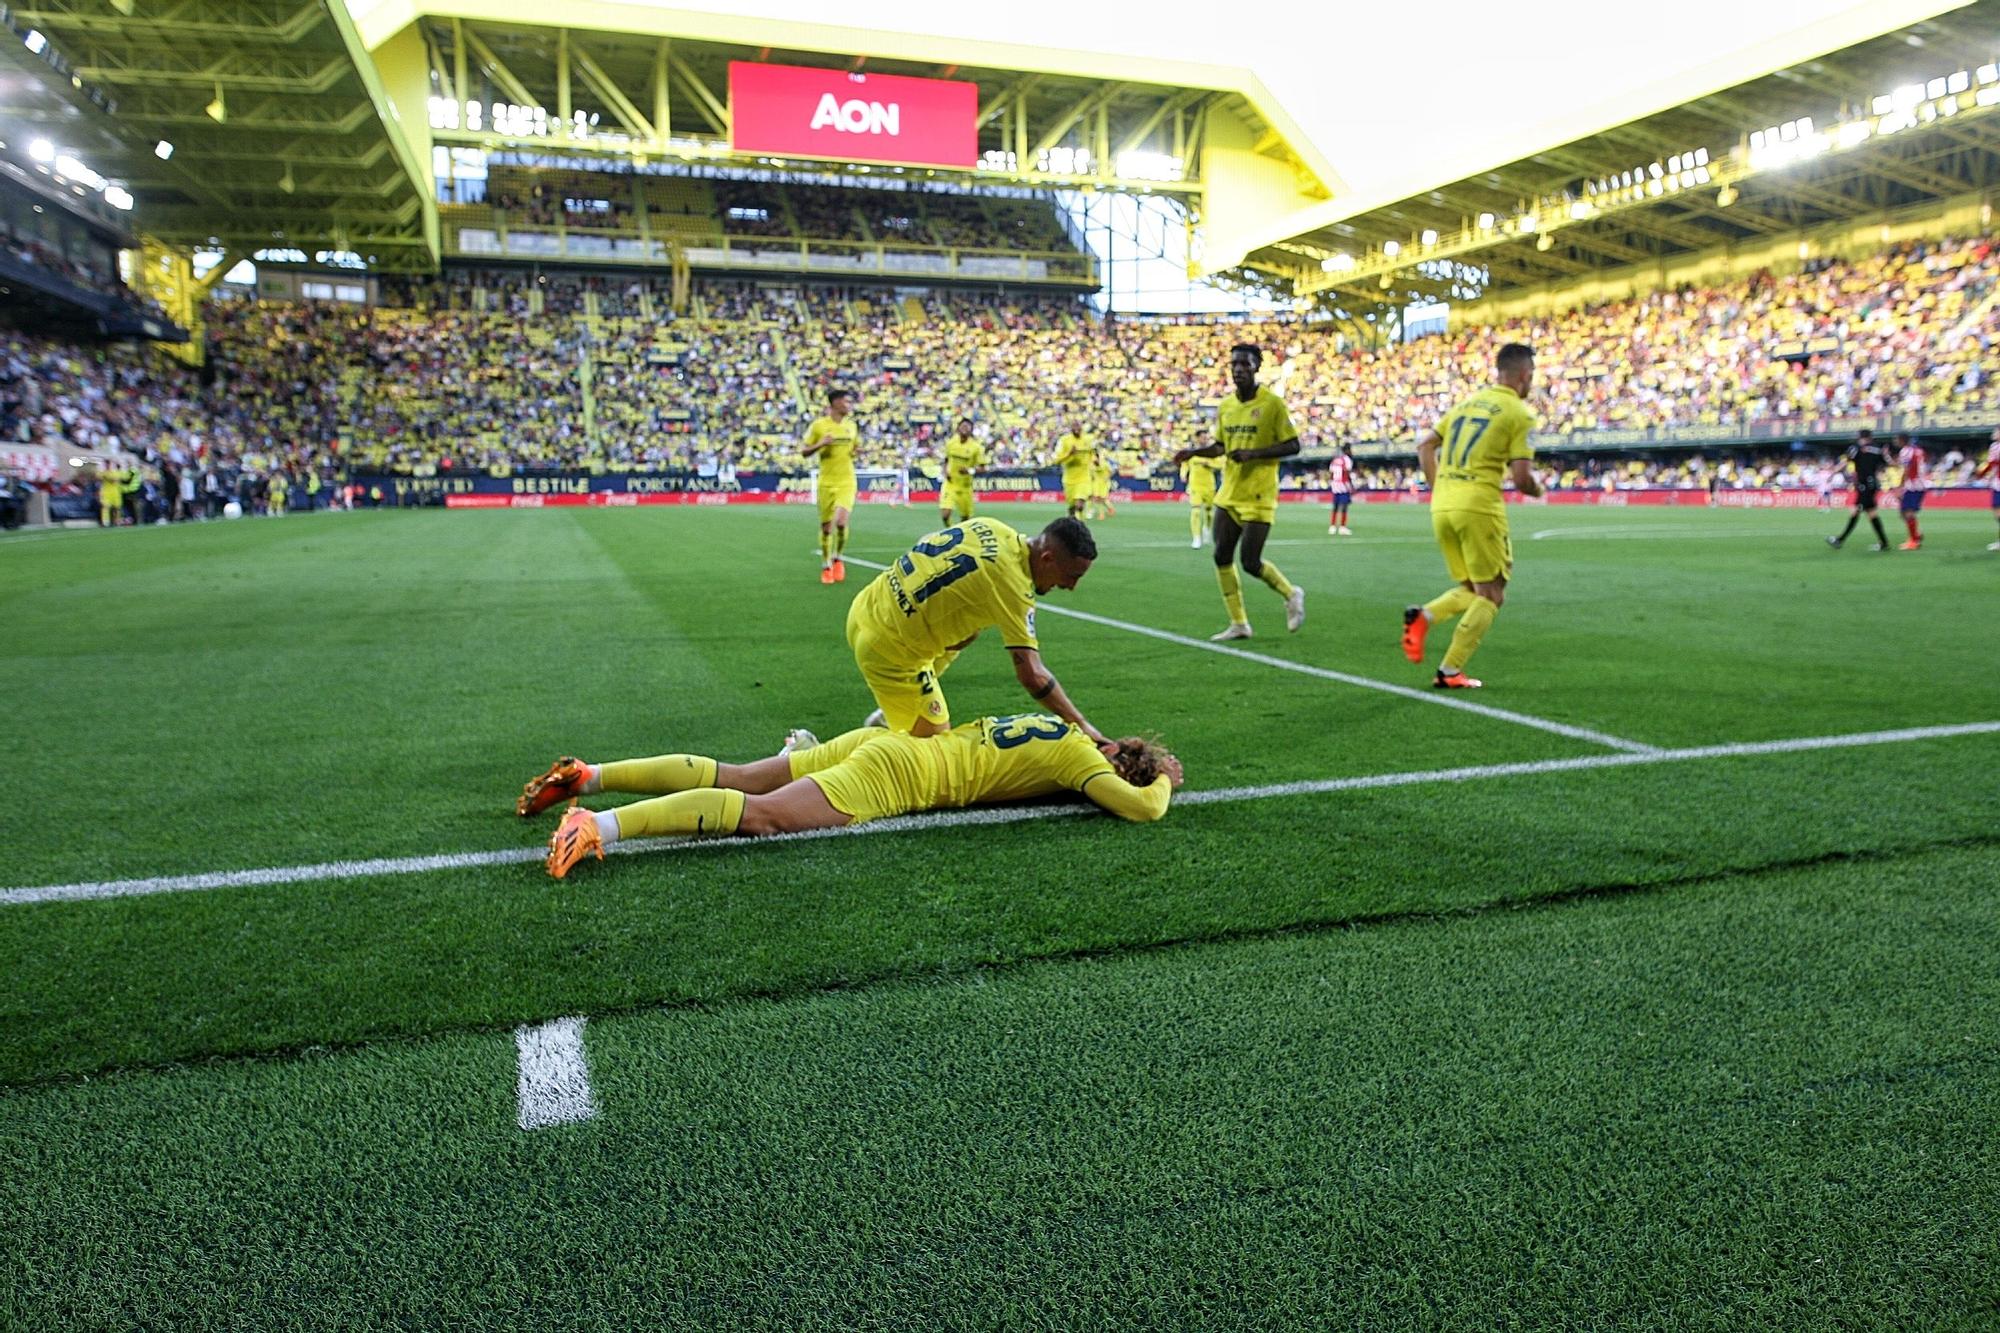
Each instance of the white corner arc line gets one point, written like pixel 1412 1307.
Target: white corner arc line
pixel 1004 814
pixel 1442 699
pixel 554 1082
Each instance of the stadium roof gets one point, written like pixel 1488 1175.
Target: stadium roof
pixel 1900 121
pixel 281 132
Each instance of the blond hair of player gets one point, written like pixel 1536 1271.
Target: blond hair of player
pixel 1200 473
pixel 865 774
pixel 831 441
pixel 963 457
pixel 1076 455
pixel 914 618
pixel 1464 458
pixel 1253 431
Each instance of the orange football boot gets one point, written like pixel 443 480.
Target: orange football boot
pixel 839 570
pixel 575 838
pixel 563 782
pixel 1455 680
pixel 1415 625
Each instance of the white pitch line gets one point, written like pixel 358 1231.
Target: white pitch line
pixel 1014 814
pixel 1440 698
pixel 554 1083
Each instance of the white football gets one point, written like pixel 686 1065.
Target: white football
pixel 232 510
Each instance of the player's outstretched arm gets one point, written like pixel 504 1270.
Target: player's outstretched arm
pixel 1141 799
pixel 1046 690
pixel 1213 449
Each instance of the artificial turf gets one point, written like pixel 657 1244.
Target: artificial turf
pixel 267 693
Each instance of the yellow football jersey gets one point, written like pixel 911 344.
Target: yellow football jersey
pixel 951 585
pixel 1481 436
pixel 836 460
pixel 960 458
pixel 1076 453
pixel 871 774
pixel 1201 475
pixel 1257 424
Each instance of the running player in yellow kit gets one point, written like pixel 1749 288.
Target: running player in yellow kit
pixel 1252 432
pixel 1076 454
pixel 831 440
pixel 1464 457
pixel 914 619
pixel 963 456
pixel 865 774
pixel 1100 484
pixel 1201 474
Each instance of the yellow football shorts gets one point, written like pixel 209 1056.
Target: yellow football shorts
pixel 835 497
pixel 902 691
pixel 1248 510
pixel 957 498
pixel 1076 487
pixel 886 775
pixel 1201 493
pixel 1476 546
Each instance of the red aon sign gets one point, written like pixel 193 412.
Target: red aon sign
pixel 791 111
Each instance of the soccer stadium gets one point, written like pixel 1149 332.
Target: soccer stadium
pixel 1044 666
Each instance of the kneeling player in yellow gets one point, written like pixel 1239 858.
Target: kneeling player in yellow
pixel 1481 438
pixel 863 775
pixel 1252 432
pixel 1200 473
pixel 833 438
pixel 963 456
pixel 914 619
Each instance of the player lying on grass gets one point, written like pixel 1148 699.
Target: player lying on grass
pixel 869 773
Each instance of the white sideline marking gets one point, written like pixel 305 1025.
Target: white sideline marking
pixel 554 1083
pixel 414 865
pixel 1439 697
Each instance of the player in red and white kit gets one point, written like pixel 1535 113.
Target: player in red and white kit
pixel 1340 477
pixel 1991 467
pixel 1910 458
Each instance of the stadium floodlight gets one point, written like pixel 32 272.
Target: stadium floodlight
pixel 34 41
pixel 1486 221
pixel 163 150
pixel 1527 223
pixel 41 150
pixel 1341 262
pixel 1429 237
pixel 1392 248
pixel 1988 73
pixel 1580 210
pixel 117 197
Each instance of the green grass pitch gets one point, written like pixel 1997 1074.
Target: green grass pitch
pixel 1701 1042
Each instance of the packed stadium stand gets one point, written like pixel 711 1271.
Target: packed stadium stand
pixel 508 370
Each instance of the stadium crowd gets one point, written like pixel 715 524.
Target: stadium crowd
pixel 505 370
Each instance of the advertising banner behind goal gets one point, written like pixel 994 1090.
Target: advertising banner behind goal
pixel 798 112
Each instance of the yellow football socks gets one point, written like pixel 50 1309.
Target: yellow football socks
pixel 710 811
pixel 825 545
pixel 1232 593
pixel 1447 605
pixel 662 773
pixel 1478 617
pixel 1278 582
pixel 1194 522
pixel 839 542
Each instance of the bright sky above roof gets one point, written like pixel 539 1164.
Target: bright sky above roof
pixel 1400 98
